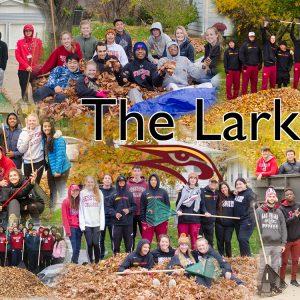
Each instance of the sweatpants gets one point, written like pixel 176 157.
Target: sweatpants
pixel 224 236
pixel 251 74
pixel 244 230
pixel 191 230
pixel 16 257
pixel 137 223
pixel 296 74
pixel 108 226
pixel 233 80
pixel 268 75
pixel 208 231
pixel 293 249
pixel 282 78
pixel 119 232
pixel 33 260
pixel 92 237
pixel 36 165
pixel 44 92
pixel 148 231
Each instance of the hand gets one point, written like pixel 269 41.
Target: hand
pixel 58 90
pixel 25 207
pixel 0 207
pixel 179 213
pixel 57 174
pixel 259 177
pixel 9 154
pixel 266 23
pixel 155 61
pixel 282 249
pixel 3 182
pixel 29 69
pixel 118 216
pixel 297 212
pixel 207 215
pixel 127 271
pixel 126 211
pixel 227 275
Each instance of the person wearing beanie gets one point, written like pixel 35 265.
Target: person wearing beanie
pixel 3 60
pixel 28 53
pixel 232 66
pixel 296 43
pixel 141 72
pixel 121 208
pixel 123 37
pixel 267 164
pixel 273 231
pixel 284 63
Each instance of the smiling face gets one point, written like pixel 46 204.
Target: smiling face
pixel 202 246
pixel 155 32
pixel 101 51
pixel 110 38
pixel 47 128
pixel 183 247
pixel 12 121
pixel 32 122
pixel 16 230
pixel 173 50
pixel 140 53
pixel 120 26
pixel 90 70
pixel 107 181
pixel 290 156
pixel 213 185
pixel 224 189
pixel 240 186
pixel 211 36
pixel 271 199
pixel 153 181
pixel 75 193
pixel 231 44
pixel 66 40
pixel 85 30
pixel 72 65
pixel 179 34
pixel 273 39
pixel 265 154
pixel 282 48
pixel 122 183
pixel 164 244
pixel 136 173
pixel 28 33
pixel 14 177
pixel 145 249
pixel 90 184
pixel 289 196
pixel 252 38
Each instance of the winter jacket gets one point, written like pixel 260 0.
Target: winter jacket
pixel 120 200
pixel 184 70
pixel 28 49
pixel 58 159
pixel 187 50
pixel 135 259
pixel 3 240
pixel 61 76
pixel 290 168
pixel 3 54
pixel 87 46
pixel 59 249
pixel 70 216
pixel 269 50
pixel 143 73
pixel 12 137
pixel 58 58
pixel 125 41
pixel 296 43
pixel 6 164
pixel 209 199
pixel 226 209
pixel 137 188
pixel 243 205
pixel 107 194
pixel 32 243
pixel 118 51
pixel 157 44
pixel 154 194
pixel 34 137
pixel 47 243
pixel 292 222
pixel 16 241
pixel 267 168
pixel 214 53
pixel 250 54
pixel 160 256
pixel 284 61
pixel 87 87
pixel 232 60
pixel 272 225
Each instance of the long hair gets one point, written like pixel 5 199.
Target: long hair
pixel 182 257
pixel 50 140
pixel 220 39
pixel 73 46
pixel 74 202
pixel 95 189
pixel 183 30
pixel 222 197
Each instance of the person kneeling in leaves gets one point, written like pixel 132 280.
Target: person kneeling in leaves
pixel 204 252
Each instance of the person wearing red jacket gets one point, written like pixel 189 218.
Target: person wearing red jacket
pixel 267 164
pixel 59 55
pixel 46 248
pixel 70 220
pixel 16 246
pixel 3 243
pixel 28 53
pixel 6 164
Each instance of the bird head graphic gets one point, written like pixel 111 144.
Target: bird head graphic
pixel 178 156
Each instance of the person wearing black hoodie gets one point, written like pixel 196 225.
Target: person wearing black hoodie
pixel 291 212
pixel 269 56
pixel 154 193
pixel 296 43
pixel 232 65
pixel 251 58
pixel 284 63
pixel 164 251
pixel 243 208
pixel 141 72
pixel 3 60
pixel 33 244
pixel 141 257
pixel 121 207
pixel 107 190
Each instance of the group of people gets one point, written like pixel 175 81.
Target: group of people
pixel 274 55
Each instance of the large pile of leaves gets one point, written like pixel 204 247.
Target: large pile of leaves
pixel 20 283
pixel 101 282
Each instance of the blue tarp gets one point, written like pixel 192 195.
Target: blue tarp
pixel 177 103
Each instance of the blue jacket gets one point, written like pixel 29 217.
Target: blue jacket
pixel 32 243
pixel 60 76
pixel 58 159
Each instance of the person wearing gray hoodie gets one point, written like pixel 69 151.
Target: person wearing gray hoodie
pixel 157 42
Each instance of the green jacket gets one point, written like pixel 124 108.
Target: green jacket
pixel 87 46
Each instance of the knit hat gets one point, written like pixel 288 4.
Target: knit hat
pixel 270 191
pixel 110 30
pixel 183 239
pixel 138 45
pixel 214 178
pixel 193 174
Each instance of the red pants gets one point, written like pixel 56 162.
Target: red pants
pixel 296 75
pixel 189 229
pixel 292 248
pixel 250 74
pixel 148 231
pixel 268 74
pixel 233 79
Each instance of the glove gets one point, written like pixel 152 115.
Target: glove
pixel 102 94
pixel 244 67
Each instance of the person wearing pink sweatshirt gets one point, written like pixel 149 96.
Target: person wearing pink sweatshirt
pixel 267 164
pixel 70 220
pixel 59 250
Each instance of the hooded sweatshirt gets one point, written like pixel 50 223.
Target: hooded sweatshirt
pixel 284 61
pixel 184 70
pixel 267 168
pixel 12 137
pixel 225 209
pixel 16 241
pixel 137 188
pixel 250 54
pixel 47 243
pixel 292 222
pixel 91 212
pixel 120 200
pixel 154 194
pixel 28 50
pixel 135 259
pixel 272 226
pixel 209 199
pixel 87 46
pixel 296 43
pixel 142 72
pixel 232 60
pixel 269 49
pixel 118 51
pixel 290 168
pixel 6 164
pixel 34 137
pixel 3 54
pixel 160 257
pixel 3 240
pixel 107 194
pixel 157 44
pixel 243 205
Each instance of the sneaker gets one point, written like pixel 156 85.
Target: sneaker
pixel 283 285
pixel 295 283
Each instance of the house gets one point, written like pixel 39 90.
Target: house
pixel 14 14
pixel 208 16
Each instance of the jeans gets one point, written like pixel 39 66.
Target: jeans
pixel 92 237
pixel 16 257
pixel 44 92
pixel 75 239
